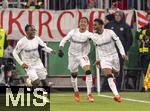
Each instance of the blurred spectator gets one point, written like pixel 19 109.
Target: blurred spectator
pixel 5 4
pixel 144 48
pixel 123 31
pixel 72 4
pixel 108 18
pixel 91 3
pixel 3 46
pixel 30 2
pixel 81 4
pixel 3 43
pixel 148 5
pixel 143 37
pixel 119 4
pixel 8 63
pixel 8 51
pixel 33 4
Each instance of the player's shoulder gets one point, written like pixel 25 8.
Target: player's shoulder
pixel 108 31
pixel 22 40
pixel 73 30
pixel 37 37
pixel 89 34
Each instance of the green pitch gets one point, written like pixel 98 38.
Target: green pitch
pixel 132 101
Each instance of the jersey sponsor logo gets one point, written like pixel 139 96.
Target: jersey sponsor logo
pixel 103 43
pixel 31 50
pixel 79 42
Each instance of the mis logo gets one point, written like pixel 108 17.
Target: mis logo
pixel 22 98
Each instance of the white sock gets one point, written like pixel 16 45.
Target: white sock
pixel 112 86
pixel 89 83
pixel 74 84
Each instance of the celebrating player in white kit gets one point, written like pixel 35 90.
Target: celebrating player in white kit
pixel 27 48
pixel 78 55
pixel 107 58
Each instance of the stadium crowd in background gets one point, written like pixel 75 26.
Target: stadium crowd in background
pixel 143 37
pixel 5 4
pixel 3 47
pixel 79 4
pixel 34 4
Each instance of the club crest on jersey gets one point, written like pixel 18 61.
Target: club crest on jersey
pixel 112 27
pixel 121 29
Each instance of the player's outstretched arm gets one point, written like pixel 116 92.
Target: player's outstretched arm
pixel 65 39
pixel 44 46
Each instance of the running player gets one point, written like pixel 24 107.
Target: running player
pixel 78 55
pixel 108 59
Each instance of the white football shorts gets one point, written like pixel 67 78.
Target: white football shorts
pixel 75 61
pixel 111 61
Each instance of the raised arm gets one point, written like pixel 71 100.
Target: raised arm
pixel 65 39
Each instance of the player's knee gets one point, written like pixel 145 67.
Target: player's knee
pixel 36 82
pixel 74 75
pixel 88 72
pixel 86 67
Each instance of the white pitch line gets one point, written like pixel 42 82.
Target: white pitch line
pixel 127 99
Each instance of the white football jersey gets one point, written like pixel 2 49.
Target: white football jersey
pixel 106 43
pixel 28 51
pixel 79 42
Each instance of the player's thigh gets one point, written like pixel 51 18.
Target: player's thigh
pixel 106 63
pixel 42 73
pixel 115 64
pixel 32 74
pixel 73 63
pixel 84 62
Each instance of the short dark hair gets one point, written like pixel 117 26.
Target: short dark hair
pixel 27 27
pixel 99 21
pixel 85 18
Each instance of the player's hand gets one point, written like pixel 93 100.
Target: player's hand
pixel 25 66
pixel 60 53
pixel 53 51
pixel 97 63
pixel 125 57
